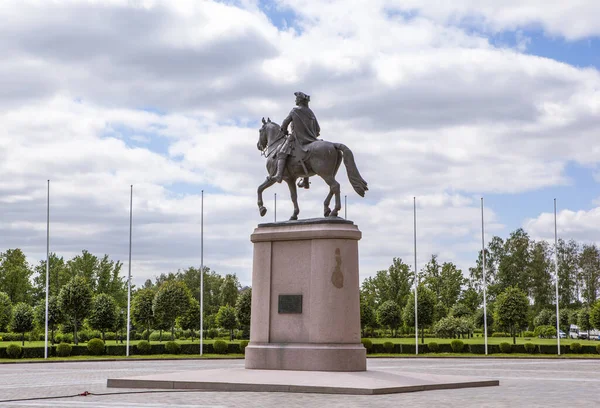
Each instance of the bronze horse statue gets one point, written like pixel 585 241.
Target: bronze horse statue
pixel 322 158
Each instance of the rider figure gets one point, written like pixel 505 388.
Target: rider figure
pixel 305 129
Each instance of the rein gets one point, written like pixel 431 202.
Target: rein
pixel 271 144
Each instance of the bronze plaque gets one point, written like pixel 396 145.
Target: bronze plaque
pixel 290 304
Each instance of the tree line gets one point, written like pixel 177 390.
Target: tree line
pixel 520 291
pixel 89 293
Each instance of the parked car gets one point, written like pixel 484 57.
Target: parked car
pixel 562 334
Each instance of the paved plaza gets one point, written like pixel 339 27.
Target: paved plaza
pixel 547 383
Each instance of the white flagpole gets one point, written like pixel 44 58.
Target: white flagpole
pixel 345 207
pixel 47 269
pixel 416 280
pixel 556 273
pixel 201 272
pixel 484 281
pixel 275 212
pixel 129 274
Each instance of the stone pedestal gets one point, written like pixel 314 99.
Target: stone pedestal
pixel 305 297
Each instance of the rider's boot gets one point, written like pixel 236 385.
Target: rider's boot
pixel 280 168
pixel 304 183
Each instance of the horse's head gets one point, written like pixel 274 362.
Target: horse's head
pixel 267 133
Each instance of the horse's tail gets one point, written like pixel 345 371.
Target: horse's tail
pixel 358 183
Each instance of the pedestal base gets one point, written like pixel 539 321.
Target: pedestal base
pixel 306 357
pixel 356 383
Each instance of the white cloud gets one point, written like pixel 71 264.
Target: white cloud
pixel 428 109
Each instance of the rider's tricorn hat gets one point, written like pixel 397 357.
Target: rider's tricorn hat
pixel 302 95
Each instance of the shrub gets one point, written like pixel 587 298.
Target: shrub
pixel 64 350
pixel 388 346
pixel 14 351
pixel 598 348
pixel 367 343
pixel 575 347
pixel 505 347
pixel 220 347
pixel 433 347
pixel 530 347
pixel 172 347
pixel 243 345
pixel 500 334
pixel 144 347
pixel 95 347
pixel 528 334
pixel 457 345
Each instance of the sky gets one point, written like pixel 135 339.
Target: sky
pixel 447 102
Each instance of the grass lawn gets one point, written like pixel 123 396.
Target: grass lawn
pixel 481 340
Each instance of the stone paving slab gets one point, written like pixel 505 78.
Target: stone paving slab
pixel 368 382
pixel 523 383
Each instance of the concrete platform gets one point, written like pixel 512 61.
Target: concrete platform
pixel 356 383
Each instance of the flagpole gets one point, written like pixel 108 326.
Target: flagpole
pixel 345 207
pixel 129 274
pixel 47 269
pixel 484 281
pixel 202 272
pixel 416 278
pixel 556 273
pixel 275 212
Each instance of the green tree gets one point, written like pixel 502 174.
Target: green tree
pixel 229 290
pixel 55 315
pixel 583 319
pixel 103 313
pixel 589 263
pixel 5 311
pixel 393 284
pixel 460 310
pixel 141 309
pixel 426 306
pixel 226 319
pixel 243 308
pixel 540 276
pixel 545 318
pixel 15 275
pixel 190 320
pixel 59 276
pixel 22 320
pixel 367 316
pixel 75 300
pixel 568 272
pixel 511 310
pixel 471 297
pixel 171 301
pixel 388 315
pixel 432 276
pixel 452 282
pixel 595 315
pixel 514 266
pixel 85 266
pixel 479 322
pixel 110 281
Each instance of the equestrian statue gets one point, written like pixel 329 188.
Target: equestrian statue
pixel 300 154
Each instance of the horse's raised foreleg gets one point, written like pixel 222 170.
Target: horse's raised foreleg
pixel 261 208
pixel 294 196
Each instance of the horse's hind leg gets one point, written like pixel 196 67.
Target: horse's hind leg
pixel 326 209
pixel 334 189
pixel 294 196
